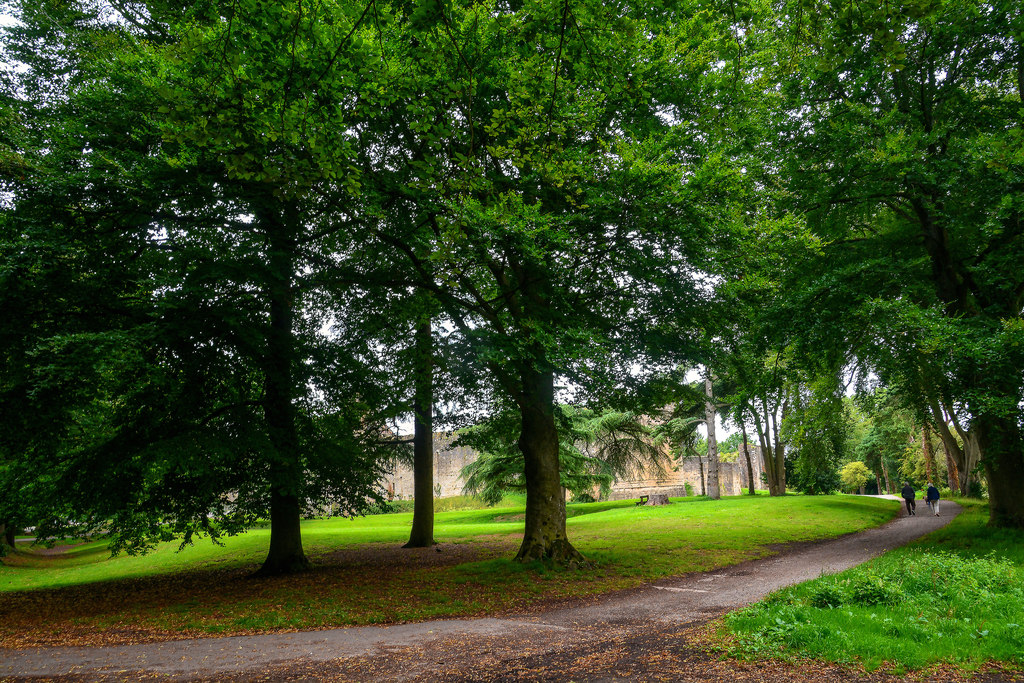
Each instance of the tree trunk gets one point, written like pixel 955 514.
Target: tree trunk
pixel 703 479
pixel 750 465
pixel 972 454
pixel 285 555
pixel 949 443
pixel 929 454
pixel 776 485
pixel 1001 443
pixel 714 490
pixel 780 451
pixel 422 534
pixel 885 473
pixel 952 474
pixel 545 537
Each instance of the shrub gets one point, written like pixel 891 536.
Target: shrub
pixel 875 590
pixel 827 596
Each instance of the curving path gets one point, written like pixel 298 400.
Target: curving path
pixel 488 646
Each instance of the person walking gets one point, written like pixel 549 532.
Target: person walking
pixel 908 498
pixel 933 498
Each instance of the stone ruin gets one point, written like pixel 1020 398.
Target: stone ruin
pixel 449 461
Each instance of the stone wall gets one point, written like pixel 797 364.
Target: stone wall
pixel 449 461
pixel 448 464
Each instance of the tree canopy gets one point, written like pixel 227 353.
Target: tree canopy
pixel 238 241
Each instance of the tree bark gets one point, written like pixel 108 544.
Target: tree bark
pixel 954 452
pixel 929 454
pixel 545 536
pixel 780 451
pixel 971 451
pixel 1001 442
pixel 285 555
pixel 776 486
pixel 750 465
pixel 422 534
pixel 714 490
pixel 885 473
pixel 952 474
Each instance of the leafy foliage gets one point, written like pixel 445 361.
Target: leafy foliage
pixel 595 449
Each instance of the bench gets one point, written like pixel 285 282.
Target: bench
pixel 654 499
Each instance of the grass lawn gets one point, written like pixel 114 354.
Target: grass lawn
pixel 952 599
pixel 80 594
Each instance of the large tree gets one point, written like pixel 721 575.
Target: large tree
pixel 550 209
pixel 223 177
pixel 901 142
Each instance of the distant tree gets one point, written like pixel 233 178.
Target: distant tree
pixel 854 475
pixel 817 429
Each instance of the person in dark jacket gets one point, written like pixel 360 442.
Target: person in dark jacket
pixel 908 498
pixel 933 498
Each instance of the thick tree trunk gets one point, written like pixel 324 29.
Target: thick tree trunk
pixel 750 466
pixel 545 537
pixel 1002 445
pixel 422 534
pixel 285 555
pixel 885 473
pixel 714 490
pixel 952 474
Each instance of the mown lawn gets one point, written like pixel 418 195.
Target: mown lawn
pixel 362 576
pixel 954 599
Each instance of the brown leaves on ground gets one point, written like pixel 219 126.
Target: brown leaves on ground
pixel 366 580
pixel 612 652
pixel 607 653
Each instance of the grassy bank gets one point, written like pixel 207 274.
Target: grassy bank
pixel 953 598
pixel 362 576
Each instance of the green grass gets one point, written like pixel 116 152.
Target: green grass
pixel 955 597
pixel 362 576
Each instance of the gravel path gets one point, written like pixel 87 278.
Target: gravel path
pixel 433 650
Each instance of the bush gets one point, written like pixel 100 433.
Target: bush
pixel 827 596
pixel 875 590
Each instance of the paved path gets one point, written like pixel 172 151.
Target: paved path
pixel 688 599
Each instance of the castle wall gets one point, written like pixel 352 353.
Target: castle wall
pixel 449 461
pixel 448 464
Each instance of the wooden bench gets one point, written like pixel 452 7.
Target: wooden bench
pixel 654 499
